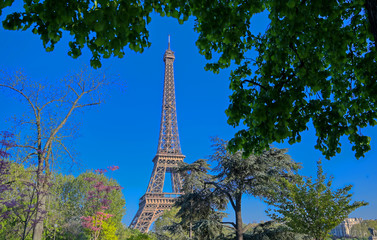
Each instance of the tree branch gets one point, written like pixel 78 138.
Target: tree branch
pixel 302 64
pixel 66 149
pixel 26 146
pixel 255 83
pixel 247 227
pixel 49 141
pixel 53 100
pixel 73 90
pixel 23 94
pixel 89 104
pixel 231 223
pixel 224 191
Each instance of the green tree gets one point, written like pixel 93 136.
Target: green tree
pixel 168 226
pixel 312 207
pixel 70 202
pixel 234 177
pixel 193 206
pixel 108 231
pixel 134 234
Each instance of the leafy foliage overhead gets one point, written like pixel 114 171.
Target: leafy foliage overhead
pixel 105 27
pixel 315 63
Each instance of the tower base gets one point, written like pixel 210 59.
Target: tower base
pixel 151 206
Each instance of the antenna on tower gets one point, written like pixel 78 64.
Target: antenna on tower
pixel 169 42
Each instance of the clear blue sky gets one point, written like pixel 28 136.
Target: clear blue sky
pixel 124 130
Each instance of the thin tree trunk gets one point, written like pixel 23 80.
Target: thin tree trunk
pixel 190 233
pixel 41 197
pixel 41 212
pixel 25 228
pixel 239 224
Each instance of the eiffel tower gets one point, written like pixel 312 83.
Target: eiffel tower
pixel 155 201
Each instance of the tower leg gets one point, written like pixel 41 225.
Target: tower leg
pixel 143 218
pixel 176 180
pixel 156 183
pixel 151 206
pixel 155 201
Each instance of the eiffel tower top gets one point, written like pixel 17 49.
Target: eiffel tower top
pixel 168 142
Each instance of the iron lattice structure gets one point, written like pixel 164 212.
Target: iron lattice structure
pixel 155 201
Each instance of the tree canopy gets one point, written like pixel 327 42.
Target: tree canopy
pixel 316 62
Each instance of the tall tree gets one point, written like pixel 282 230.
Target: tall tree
pixel 198 208
pixel 50 106
pixel 234 178
pixel 312 207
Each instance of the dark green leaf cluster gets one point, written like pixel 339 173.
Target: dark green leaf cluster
pixel 170 227
pixel 272 230
pixel 105 27
pixel 312 207
pixel 315 63
pixel 253 175
pixel 199 194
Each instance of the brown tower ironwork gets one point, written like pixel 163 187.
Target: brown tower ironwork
pixel 154 202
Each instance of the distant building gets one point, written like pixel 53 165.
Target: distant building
pixel 344 228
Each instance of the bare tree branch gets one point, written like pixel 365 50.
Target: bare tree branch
pixel 65 149
pixel 53 100
pixel 25 146
pixel 73 90
pixel 23 94
pixel 89 104
pixel 52 135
